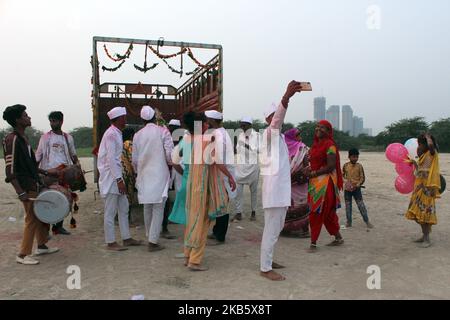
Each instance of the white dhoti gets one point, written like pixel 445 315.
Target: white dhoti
pixel 116 203
pixel 239 201
pixel 273 224
pixel 153 218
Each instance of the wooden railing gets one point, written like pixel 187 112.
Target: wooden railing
pixel 201 92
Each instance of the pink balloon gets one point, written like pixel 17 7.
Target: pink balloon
pixel 396 152
pixel 404 169
pixel 404 184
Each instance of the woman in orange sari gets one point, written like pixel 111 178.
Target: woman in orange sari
pixel 324 185
pixel 206 198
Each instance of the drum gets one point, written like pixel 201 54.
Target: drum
pixel 52 205
pixel 73 177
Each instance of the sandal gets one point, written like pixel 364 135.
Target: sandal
pixel 197 267
pixel 336 242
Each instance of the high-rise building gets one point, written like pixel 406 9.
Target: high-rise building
pixel 333 115
pixel 358 126
pixel 347 119
pixel 319 108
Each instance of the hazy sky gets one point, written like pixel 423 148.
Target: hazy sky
pixel 386 69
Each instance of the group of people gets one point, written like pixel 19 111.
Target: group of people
pixel 300 188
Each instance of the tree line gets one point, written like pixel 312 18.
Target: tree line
pixel 399 131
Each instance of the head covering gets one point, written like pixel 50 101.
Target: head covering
pixel 213 114
pixel 147 113
pixel 247 120
pixel 116 112
pixel 318 152
pixel 270 110
pixel 175 122
pixel 293 144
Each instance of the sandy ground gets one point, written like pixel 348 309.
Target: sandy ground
pixel 407 272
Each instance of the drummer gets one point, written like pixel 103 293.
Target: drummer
pixel 22 172
pixel 56 150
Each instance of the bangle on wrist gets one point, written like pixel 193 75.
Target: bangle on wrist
pixel 22 194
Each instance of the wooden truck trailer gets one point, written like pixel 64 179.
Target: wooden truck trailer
pixel 202 91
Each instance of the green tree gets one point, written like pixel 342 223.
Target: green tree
pixel 402 130
pixel 441 131
pixel 307 131
pixel 82 137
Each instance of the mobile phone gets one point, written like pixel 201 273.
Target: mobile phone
pixel 306 86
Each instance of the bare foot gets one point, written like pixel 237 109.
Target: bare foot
pixel 115 247
pixel 186 261
pixel 312 248
pixel 197 267
pixel 277 266
pixel 425 244
pixel 420 240
pixel 272 275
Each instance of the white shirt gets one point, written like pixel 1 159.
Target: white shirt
pixel 53 150
pixel 247 168
pixel 275 166
pixel 152 151
pixel 109 161
pixel 224 155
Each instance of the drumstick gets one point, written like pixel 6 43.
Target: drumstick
pixel 88 171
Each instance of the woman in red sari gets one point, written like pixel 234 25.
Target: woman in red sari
pixel 324 185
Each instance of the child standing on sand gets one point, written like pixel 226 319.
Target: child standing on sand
pixel 354 178
pixel 422 207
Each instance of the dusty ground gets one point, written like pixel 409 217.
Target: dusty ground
pixel 407 272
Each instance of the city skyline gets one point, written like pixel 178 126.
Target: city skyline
pixel 341 117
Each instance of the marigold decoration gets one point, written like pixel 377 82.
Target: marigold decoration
pixel 119 57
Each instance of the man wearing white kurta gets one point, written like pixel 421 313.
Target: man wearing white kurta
pixel 223 148
pixel 111 184
pixel 151 157
pixel 247 168
pixel 276 188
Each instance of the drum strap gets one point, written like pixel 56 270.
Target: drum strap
pixel 68 148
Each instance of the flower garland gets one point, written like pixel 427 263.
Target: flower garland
pixel 119 57
pixel 145 69
pixel 172 69
pixel 203 66
pixel 113 69
pixel 168 56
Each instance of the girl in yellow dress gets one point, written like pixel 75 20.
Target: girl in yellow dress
pixel 422 207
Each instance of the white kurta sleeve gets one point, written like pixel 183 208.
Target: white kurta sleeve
pixel 72 149
pixel 40 150
pixel 168 145
pixel 278 117
pixel 113 153
pixel 135 153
